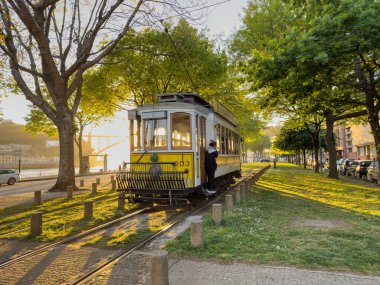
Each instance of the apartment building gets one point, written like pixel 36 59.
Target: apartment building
pixel 355 142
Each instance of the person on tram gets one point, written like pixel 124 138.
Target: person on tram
pixel 211 166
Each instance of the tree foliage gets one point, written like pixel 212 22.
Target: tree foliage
pixel 323 61
pixel 179 60
pixel 49 45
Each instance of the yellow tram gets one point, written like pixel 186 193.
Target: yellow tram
pixel 168 142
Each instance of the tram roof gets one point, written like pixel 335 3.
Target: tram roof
pixel 196 99
pixel 189 97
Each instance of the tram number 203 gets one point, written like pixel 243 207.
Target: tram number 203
pixel 182 163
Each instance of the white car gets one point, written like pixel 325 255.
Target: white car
pixel 9 176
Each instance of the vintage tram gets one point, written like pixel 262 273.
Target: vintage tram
pixel 168 141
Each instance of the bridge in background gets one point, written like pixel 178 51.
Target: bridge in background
pixel 102 143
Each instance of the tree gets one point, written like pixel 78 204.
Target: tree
pixel 260 143
pixel 96 106
pixel 50 44
pixel 177 59
pixel 172 59
pixel 294 140
pixel 313 70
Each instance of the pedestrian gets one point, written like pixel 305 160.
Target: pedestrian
pixel 211 166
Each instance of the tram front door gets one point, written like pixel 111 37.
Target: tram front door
pixel 203 149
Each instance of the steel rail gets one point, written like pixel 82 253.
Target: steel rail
pixel 111 261
pixel 70 239
pixel 83 279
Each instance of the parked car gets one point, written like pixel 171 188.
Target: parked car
pixel 342 168
pixel 361 169
pixel 351 167
pixel 9 176
pixel 372 172
pixel 265 160
pixel 338 162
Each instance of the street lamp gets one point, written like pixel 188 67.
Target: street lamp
pixel 18 152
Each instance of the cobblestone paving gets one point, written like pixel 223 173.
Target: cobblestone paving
pixel 134 269
pixel 54 267
pixel 160 241
pixel 189 272
pixel 11 248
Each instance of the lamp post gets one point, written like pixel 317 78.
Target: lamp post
pixel 18 152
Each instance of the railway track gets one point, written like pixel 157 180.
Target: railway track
pixel 91 271
pixel 11 231
pixel 85 278
pixel 70 239
pixel 113 260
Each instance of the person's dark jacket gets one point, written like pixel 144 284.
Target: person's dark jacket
pixel 211 155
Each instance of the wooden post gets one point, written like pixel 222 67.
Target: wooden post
pixel 70 190
pixel 229 200
pixel 237 195
pixel 36 224
pixel 196 234
pixel 121 201
pixel 113 184
pixel 37 198
pixel 159 269
pixel 217 213
pixel 112 178
pixel 98 180
pixel 243 188
pixel 88 210
pixel 94 188
pixel 81 183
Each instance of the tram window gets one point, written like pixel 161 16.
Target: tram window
pixel 222 141
pixel 232 143
pixel 197 138
pixel 135 126
pixel 218 145
pixel 155 134
pixel 236 144
pixel 227 140
pixel 181 130
pixel 203 132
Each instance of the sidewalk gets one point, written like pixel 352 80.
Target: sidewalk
pixel 28 198
pixel 187 272
pixel 135 269
pixel 12 199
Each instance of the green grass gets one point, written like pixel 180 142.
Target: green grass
pixel 14 213
pixel 268 228
pixel 61 217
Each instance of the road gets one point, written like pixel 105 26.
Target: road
pixel 22 192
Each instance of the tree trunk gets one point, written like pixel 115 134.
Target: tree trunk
pixel 299 157
pixel 80 149
pixel 304 158
pixel 316 156
pixel 330 142
pixel 66 174
pixel 373 119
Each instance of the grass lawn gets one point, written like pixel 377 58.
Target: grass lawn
pixel 61 217
pixel 296 217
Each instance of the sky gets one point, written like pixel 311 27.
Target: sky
pixel 222 20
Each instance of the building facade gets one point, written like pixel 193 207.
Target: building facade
pixel 355 142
